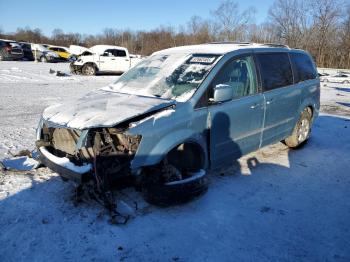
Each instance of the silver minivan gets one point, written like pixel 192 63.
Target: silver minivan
pixel 179 113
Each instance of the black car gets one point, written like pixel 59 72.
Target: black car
pixel 27 51
pixel 10 50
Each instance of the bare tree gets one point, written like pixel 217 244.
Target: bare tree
pixel 200 30
pixel 344 41
pixel 322 27
pixel 291 19
pixel 231 22
pixel 326 16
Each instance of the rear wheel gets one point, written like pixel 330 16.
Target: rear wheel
pixel 89 70
pixel 43 59
pixel 301 131
pixel 2 56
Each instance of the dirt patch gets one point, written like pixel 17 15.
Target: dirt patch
pixel 335 110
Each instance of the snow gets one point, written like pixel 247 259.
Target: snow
pixel 169 75
pixel 101 108
pixel 22 163
pixel 274 204
pixel 23 100
pixel 65 162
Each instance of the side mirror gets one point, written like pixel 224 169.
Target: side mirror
pixel 222 93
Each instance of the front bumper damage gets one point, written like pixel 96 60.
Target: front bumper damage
pixel 64 167
pixel 104 154
pixel 75 69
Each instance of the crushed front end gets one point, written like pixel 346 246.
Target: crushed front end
pixel 100 154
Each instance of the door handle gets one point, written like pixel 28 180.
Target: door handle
pixel 113 59
pixel 126 59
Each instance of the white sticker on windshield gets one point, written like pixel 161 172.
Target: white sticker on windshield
pixel 202 59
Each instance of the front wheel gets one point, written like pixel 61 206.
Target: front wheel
pixel 89 70
pixel 301 131
pixel 165 186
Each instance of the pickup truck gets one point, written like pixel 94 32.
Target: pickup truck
pixel 104 59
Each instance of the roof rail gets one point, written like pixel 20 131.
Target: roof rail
pixel 229 42
pixel 275 45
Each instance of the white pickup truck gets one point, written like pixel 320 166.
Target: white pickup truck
pixel 104 59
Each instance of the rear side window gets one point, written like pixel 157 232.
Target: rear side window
pixel 303 67
pixel 275 69
pixel 121 53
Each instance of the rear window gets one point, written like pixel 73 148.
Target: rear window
pixel 275 70
pixel 121 53
pixel 303 67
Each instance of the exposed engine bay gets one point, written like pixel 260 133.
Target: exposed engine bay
pixel 109 150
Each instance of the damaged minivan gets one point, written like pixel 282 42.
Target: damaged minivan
pixel 179 113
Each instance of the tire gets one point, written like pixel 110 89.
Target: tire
pixel 89 70
pixel 2 55
pixel 301 131
pixel 43 59
pixel 157 192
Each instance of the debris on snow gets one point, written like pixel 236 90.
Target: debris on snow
pixel 22 163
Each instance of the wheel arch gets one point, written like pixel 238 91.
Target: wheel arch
pixel 155 155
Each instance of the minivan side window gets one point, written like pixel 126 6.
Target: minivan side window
pixel 239 73
pixel 303 67
pixel 276 70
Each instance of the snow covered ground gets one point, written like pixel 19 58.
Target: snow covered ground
pixel 275 204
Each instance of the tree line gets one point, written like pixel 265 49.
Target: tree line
pixel 321 27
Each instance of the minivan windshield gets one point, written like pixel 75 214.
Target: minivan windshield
pixel 169 76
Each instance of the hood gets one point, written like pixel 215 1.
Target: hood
pixel 78 50
pixel 102 109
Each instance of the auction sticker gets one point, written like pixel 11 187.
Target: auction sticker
pixel 203 59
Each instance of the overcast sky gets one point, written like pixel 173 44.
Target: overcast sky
pixel 91 17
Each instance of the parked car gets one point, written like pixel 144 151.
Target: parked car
pixel 337 78
pixel 62 52
pixel 27 51
pixel 104 59
pixel 42 54
pixel 179 113
pixel 10 50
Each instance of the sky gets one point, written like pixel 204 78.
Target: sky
pixel 91 17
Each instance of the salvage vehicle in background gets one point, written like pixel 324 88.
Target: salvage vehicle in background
pixel 42 54
pixel 180 112
pixel 10 50
pixel 62 52
pixel 27 51
pixel 342 78
pixel 104 59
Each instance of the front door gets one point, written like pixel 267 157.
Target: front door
pixel 236 125
pixel 107 61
